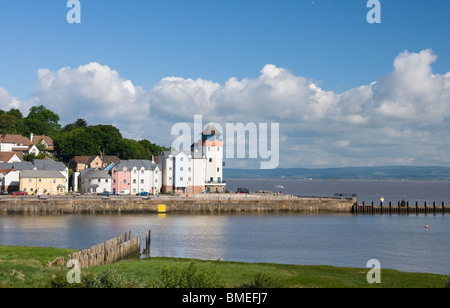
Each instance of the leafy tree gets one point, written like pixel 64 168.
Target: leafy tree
pixel 77 142
pixel 42 121
pixel 79 123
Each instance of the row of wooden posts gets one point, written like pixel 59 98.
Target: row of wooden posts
pixel 113 250
pixel 402 207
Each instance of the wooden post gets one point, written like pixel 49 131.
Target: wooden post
pixel 434 207
pixel 407 207
pixel 417 207
pixel 425 205
pixel 381 207
pixel 443 207
pixel 364 207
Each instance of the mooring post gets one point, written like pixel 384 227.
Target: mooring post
pixel 407 207
pixel 443 207
pixel 425 205
pixel 364 207
pixel 373 207
pixel 434 207
pixel 417 207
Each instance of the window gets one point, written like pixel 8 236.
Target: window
pixel 134 181
pixel 106 180
pixel 29 180
pixel 142 171
pixel 218 169
pixel 40 180
pixel 99 180
pixel 134 190
pixel 54 181
pixel 114 181
pixel 181 158
pixel 124 181
pixel 24 189
pixel 31 189
pixel 181 168
pixel 181 178
pixel 218 149
pixel 189 169
pixel 142 181
pixel 170 178
pixel 210 160
pixel 189 179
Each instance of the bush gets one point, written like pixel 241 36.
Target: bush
pixel 188 277
pixel 108 278
pixel 261 280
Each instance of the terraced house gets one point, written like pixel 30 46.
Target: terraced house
pixel 42 182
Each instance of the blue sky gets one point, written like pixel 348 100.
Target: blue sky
pixel 204 44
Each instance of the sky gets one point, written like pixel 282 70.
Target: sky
pixel 344 92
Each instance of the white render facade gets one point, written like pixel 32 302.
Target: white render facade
pixel 197 170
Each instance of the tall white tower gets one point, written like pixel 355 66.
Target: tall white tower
pixel 212 147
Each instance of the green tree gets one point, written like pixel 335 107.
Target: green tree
pixel 42 121
pixel 77 142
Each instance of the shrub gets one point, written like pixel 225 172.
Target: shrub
pixel 188 277
pixel 261 280
pixel 108 278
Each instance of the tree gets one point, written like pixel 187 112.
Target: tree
pixel 79 123
pixel 77 142
pixel 42 121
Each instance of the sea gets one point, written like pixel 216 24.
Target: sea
pixel 399 242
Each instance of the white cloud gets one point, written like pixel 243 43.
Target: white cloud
pixel 94 92
pixel 380 123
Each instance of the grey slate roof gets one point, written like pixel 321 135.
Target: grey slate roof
pixel 41 174
pixel 17 166
pixel 48 164
pixel 139 164
pixel 95 174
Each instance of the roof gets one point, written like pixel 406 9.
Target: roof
pixel 110 160
pixel 95 174
pixel 41 174
pixel 6 156
pixel 17 166
pixel 15 139
pixel 211 130
pixel 83 159
pixel 47 139
pixel 139 164
pixel 48 164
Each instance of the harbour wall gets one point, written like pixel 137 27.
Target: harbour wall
pixel 175 205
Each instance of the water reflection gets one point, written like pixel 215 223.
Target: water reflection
pixel 398 241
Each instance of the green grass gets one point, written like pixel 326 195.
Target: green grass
pixel 25 267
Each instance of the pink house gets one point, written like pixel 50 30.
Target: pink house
pixel 121 180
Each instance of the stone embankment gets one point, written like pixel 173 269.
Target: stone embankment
pixel 218 204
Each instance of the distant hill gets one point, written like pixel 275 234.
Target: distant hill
pixel 347 173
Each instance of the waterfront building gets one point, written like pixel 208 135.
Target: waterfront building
pixel 136 176
pixel 197 170
pixel 51 165
pixel 94 181
pixel 42 182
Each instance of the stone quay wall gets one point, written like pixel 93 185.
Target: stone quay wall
pixel 97 205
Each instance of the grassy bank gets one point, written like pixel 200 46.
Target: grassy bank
pixel 25 267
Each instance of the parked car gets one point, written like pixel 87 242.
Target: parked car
pixel 20 193
pixel 105 193
pixel 243 191
pixel 143 193
pixel 124 192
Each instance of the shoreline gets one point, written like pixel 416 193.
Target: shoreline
pixel 214 204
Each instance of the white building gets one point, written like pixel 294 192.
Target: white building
pixel 94 181
pixel 197 170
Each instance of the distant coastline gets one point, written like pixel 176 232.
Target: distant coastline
pixel 429 173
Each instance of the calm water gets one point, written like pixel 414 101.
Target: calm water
pixel 398 241
pixel 367 191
